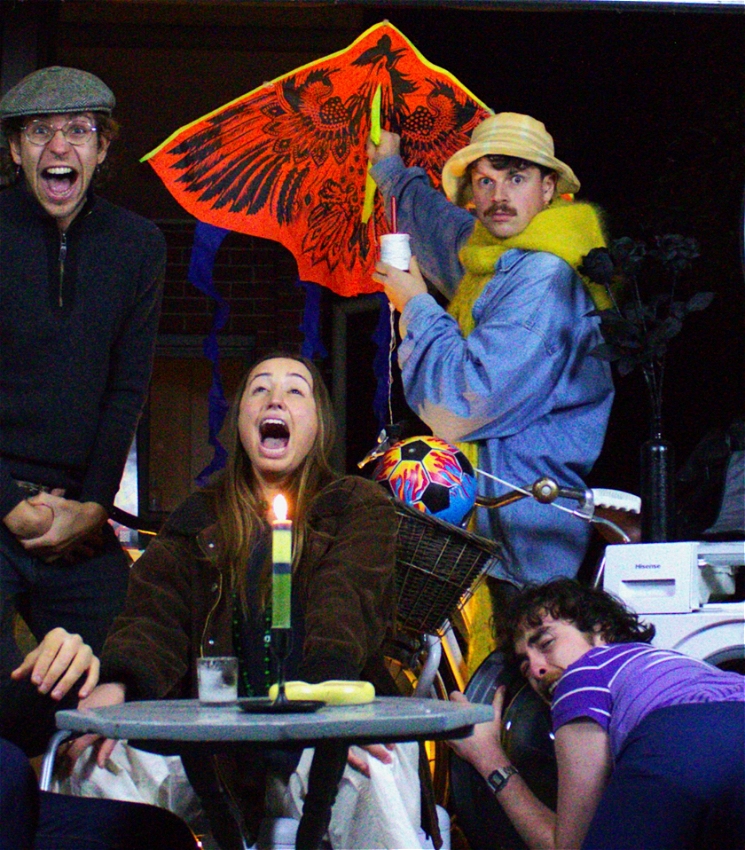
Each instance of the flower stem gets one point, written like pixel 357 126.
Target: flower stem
pixel 639 305
pixel 654 385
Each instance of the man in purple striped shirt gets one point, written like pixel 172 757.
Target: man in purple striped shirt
pixel 650 744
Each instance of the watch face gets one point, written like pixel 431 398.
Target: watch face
pixel 495 781
pixel 498 778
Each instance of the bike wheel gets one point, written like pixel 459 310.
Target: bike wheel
pixel 405 657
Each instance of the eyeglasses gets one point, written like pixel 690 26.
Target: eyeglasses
pixel 77 131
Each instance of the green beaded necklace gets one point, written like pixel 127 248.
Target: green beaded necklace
pixel 240 649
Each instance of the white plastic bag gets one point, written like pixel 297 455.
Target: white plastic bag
pixel 379 813
pixel 135 776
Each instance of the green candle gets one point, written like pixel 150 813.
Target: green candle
pixel 281 565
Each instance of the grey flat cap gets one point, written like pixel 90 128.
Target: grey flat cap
pixel 53 90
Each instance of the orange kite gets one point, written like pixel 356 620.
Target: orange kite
pixel 287 160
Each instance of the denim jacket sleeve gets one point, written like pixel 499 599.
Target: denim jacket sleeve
pixel 513 368
pixel 438 229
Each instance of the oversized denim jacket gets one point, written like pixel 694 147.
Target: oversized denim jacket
pixel 522 384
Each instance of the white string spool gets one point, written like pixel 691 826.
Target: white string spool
pixel 395 249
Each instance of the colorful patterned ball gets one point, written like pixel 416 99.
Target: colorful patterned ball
pixel 430 475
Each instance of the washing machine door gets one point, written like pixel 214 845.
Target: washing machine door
pixel 528 742
pixel 714 633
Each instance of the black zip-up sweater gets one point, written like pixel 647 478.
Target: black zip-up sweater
pixel 78 321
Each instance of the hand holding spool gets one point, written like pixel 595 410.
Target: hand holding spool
pixel 397 270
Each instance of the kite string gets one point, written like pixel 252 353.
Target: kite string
pixel 391 350
pixel 501 481
pixel 391 335
pixel 392 321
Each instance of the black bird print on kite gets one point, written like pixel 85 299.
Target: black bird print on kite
pixel 287 160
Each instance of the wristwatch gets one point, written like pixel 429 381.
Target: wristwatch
pixel 498 778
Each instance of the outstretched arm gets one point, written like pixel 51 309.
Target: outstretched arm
pixel 583 759
pixel 437 228
pixel 535 822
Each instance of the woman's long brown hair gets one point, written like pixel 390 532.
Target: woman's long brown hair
pixel 241 511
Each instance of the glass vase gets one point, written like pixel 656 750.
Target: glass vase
pixel 657 489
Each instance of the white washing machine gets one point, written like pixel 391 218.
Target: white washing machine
pixel 714 633
pixel 685 590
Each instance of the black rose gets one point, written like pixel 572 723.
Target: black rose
pixel 628 254
pixel 598 266
pixel 675 252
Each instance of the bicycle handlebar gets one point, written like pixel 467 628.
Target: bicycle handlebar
pixel 545 490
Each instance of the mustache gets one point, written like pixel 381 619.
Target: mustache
pixel 497 208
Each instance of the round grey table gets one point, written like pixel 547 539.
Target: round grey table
pixel 331 730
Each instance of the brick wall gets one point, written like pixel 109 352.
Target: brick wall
pixel 257 277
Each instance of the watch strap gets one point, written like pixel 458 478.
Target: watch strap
pixel 498 778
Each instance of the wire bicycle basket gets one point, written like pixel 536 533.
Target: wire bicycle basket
pixel 438 566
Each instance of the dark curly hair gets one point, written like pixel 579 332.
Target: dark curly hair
pixel 588 608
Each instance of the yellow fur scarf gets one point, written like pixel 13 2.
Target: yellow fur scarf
pixel 566 228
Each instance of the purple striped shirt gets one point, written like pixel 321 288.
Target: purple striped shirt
pixel 619 684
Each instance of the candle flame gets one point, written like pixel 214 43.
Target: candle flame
pixel 280 507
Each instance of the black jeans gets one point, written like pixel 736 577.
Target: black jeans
pixel 39 820
pixel 678 784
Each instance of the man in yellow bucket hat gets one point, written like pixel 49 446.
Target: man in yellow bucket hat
pixel 506 368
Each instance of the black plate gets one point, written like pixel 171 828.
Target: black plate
pixel 264 705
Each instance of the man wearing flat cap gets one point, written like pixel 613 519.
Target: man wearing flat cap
pixel 80 291
pixel 506 369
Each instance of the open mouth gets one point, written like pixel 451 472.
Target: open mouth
pixel 59 180
pixel 274 435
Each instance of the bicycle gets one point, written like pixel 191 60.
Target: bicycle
pixel 438 568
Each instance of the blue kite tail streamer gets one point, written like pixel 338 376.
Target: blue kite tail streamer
pixel 207 240
pixel 381 363
pixel 311 324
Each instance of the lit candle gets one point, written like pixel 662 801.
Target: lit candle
pixel 281 565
